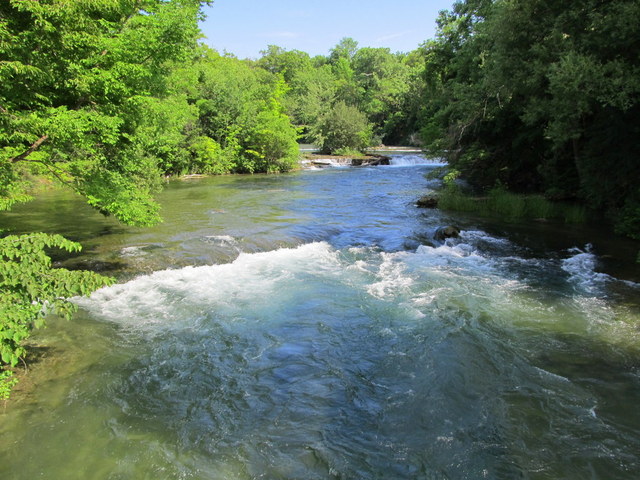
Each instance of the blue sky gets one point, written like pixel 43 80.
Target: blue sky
pixel 244 27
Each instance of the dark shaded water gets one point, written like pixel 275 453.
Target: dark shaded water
pixel 308 326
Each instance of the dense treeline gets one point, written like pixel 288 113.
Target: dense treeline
pixel 352 98
pixel 540 96
pixel 108 97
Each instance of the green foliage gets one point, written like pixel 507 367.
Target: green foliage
pixel 85 100
pixel 343 126
pixel 210 158
pixel 7 382
pixel 541 96
pixel 572 213
pixel 310 90
pixel 273 139
pixel 509 206
pixel 114 193
pixel 240 109
pixel 628 220
pixel 289 64
pixel 450 177
pixel 13 186
pixel 453 199
pixel 386 87
pixel 537 206
pixel 165 128
pixel 437 173
pixel 348 152
pixel 30 288
pixel 79 89
pixel 345 49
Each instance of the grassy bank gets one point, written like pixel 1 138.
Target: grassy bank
pixel 511 206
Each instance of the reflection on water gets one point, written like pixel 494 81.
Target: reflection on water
pixel 308 326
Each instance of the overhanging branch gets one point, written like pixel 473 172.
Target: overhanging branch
pixel 34 146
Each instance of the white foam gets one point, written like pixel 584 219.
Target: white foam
pixel 221 239
pixel 412 160
pixel 264 287
pixel 252 281
pixel 581 269
pixel 391 275
pixel 224 241
pixel 475 236
pixel 462 255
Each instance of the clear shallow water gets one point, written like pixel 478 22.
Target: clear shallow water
pixel 308 326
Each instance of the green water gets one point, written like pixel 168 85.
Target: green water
pixel 307 326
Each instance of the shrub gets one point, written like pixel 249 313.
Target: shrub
pixel 30 288
pixel 210 157
pixel 272 143
pixel 508 205
pixel 348 152
pixel 7 382
pixel 343 127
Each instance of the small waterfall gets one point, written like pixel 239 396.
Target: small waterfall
pixel 413 159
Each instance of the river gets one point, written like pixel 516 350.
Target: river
pixel 307 326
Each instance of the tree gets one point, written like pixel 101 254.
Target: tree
pixel 309 93
pixel 343 127
pixel 76 82
pixel 288 63
pixel 80 84
pixel 346 49
pixel 240 108
pixel 540 96
pixel 384 81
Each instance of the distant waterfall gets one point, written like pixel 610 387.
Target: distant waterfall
pixel 412 159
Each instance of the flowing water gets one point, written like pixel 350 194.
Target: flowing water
pixel 307 326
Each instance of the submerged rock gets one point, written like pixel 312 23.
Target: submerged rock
pixel 443 233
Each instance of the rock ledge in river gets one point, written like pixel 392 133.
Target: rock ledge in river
pixel 318 160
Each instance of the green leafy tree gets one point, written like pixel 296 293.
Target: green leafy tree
pixel 384 86
pixel 81 85
pixel 76 83
pixel 384 82
pixel 241 109
pixel 345 49
pixel 541 96
pixel 272 141
pixel 210 158
pixel 288 63
pixel 310 90
pixel 310 86
pixel 343 127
